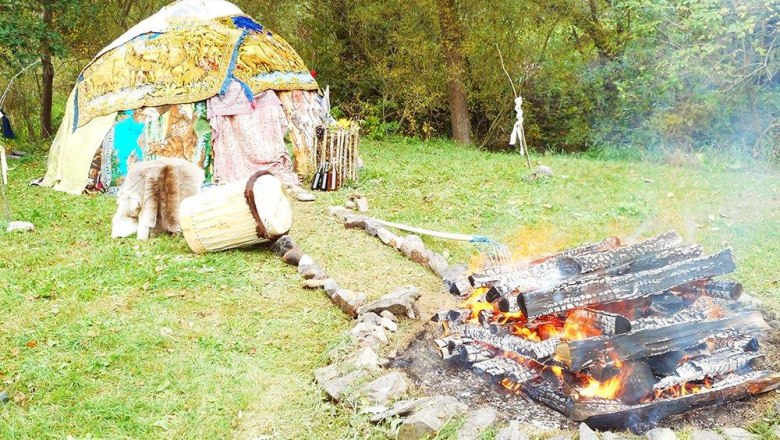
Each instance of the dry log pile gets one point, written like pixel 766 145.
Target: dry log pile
pixel 616 336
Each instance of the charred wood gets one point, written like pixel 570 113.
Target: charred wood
pixel 576 355
pixel 666 303
pixel 610 414
pixel 509 343
pixel 609 324
pixel 717 289
pixel 552 398
pixel 624 287
pixel 622 255
pixel 607 244
pixel 721 362
pixel 500 368
pixel 638 383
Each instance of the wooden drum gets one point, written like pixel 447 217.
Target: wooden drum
pixel 243 213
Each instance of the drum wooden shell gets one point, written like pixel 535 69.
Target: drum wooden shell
pixel 220 218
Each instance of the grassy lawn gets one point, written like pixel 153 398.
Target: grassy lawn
pixel 126 339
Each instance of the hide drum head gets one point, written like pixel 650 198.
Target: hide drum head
pixel 273 206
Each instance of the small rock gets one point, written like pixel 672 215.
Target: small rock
pixel 372 228
pixel 414 249
pixel 670 195
pixel 544 170
pixel 738 434
pixel 512 432
pixel 330 286
pixel 607 435
pixel 705 434
pixel 776 431
pixel 560 437
pixel 326 374
pixel 384 389
pixel 400 301
pixel 4 397
pixel 437 264
pixel 355 222
pixel 385 235
pixel 397 242
pixel 586 433
pixel 660 434
pixel 362 204
pixel 429 419
pixel 775 324
pixel 389 325
pixel 305 196
pixel 370 318
pixel 400 409
pixel 282 245
pixel 311 271
pixel 20 227
pixel 305 260
pixel 293 256
pixel 337 388
pixel 349 204
pixel 349 301
pixel 338 212
pixel 477 422
pixel 365 358
pixel 364 330
pixel 387 314
pixel 316 284
pixel 455 272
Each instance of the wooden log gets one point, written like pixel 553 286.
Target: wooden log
pixel 716 289
pixel 509 343
pixel 607 244
pixel 455 315
pixel 611 414
pixel 577 355
pixel 624 287
pixel 666 303
pixel 616 257
pixel 554 399
pixel 638 383
pixel 655 260
pixel 472 353
pixel 513 277
pixel 609 324
pixel 723 361
pixel 499 368
pixel 684 316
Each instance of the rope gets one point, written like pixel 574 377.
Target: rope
pixel 10 83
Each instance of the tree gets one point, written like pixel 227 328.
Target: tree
pixel 451 41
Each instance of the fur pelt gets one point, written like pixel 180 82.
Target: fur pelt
pixel 149 198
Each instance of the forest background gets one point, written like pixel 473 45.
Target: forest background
pixel 627 78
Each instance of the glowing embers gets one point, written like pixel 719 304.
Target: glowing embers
pixel 615 336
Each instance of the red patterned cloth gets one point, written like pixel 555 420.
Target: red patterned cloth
pixel 246 143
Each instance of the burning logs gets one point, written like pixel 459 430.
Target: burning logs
pixel 576 355
pixel 624 287
pixel 614 336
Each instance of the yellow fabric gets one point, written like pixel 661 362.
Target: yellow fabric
pixel 71 152
pixel 184 65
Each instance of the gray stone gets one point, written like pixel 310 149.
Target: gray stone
pixel 20 227
pixel 4 396
pixel 305 196
pixel 776 431
pixel 316 284
pixel 305 260
pixel 355 222
pixel 437 264
pixel 327 373
pixel 372 228
pixel 365 358
pixel 401 301
pixel 389 325
pixel 385 235
pixel 371 318
pixel 660 434
pixel 607 435
pixel 401 408
pixel 560 437
pixel 384 389
pixel 349 301
pixel 586 433
pixel 477 422
pixel 705 434
pixel 311 271
pixel 330 286
pixel 293 256
pixel 397 242
pixel 338 212
pixel 738 434
pixel 282 245
pixel 365 329
pixel 454 272
pixel 429 419
pixel 414 249
pixel 512 432
pixel 337 388
pixel 362 204
pixel 775 324
pixel 389 315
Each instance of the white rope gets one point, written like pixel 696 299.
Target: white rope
pixel 10 83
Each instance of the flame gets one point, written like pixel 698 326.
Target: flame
pixel 579 325
pixel 477 304
pixel 608 389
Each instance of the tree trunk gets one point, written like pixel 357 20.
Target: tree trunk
pixel 47 90
pixel 451 38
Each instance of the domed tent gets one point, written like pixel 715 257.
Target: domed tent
pixel 198 80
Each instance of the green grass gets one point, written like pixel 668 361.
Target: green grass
pixel 126 339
